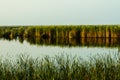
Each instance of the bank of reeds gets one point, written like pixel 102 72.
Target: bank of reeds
pixel 70 31
pixel 62 67
pixel 106 35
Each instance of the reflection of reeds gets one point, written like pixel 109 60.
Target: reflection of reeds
pixel 55 34
pixel 61 68
pixel 108 42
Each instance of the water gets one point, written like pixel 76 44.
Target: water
pixel 10 48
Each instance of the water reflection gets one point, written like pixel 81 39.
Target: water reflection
pixel 39 47
pixel 14 47
pixel 107 42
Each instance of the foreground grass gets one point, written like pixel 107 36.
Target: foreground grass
pixel 61 68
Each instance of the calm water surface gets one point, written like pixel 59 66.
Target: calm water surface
pixel 9 50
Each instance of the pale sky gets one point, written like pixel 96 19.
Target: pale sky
pixel 59 12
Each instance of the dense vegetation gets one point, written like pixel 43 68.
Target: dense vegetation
pixel 106 31
pixel 62 67
pixel 81 35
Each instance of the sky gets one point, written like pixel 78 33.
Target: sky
pixel 59 12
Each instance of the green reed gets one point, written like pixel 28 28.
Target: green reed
pixel 77 35
pixel 62 67
pixel 75 30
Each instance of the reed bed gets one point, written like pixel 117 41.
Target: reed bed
pixel 61 67
pixel 64 31
pixel 100 35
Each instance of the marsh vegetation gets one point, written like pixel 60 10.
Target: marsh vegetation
pixel 92 35
pixel 61 67
pixel 107 31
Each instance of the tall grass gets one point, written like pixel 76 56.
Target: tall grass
pixel 62 67
pixel 107 35
pixel 71 31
